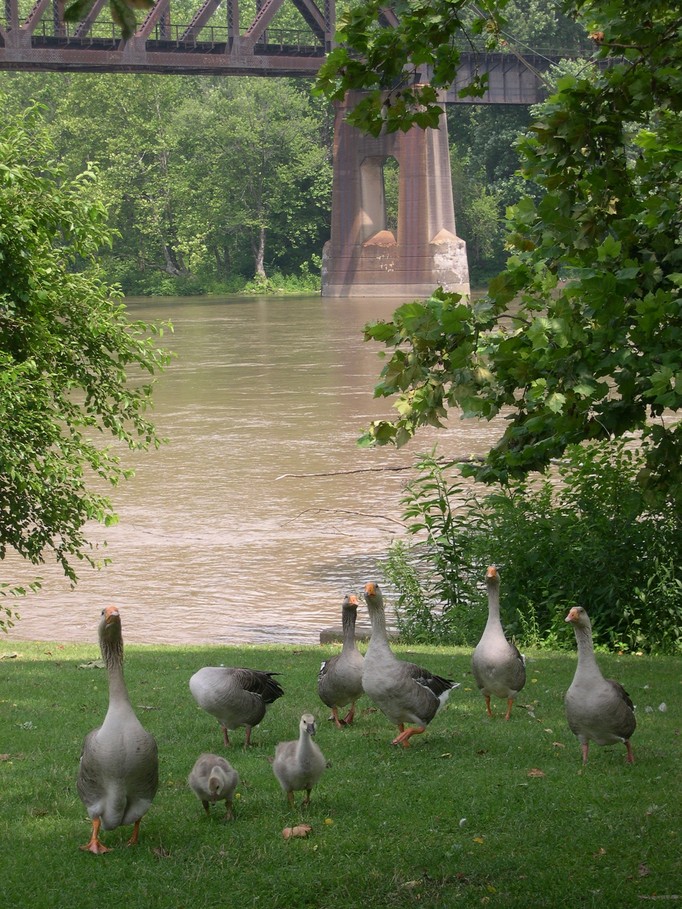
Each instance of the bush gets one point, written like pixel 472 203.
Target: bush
pixel 584 535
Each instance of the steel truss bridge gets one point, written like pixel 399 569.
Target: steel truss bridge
pixel 223 38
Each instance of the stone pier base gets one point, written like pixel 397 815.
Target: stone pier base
pixel 364 257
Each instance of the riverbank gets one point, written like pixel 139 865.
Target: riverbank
pixel 476 812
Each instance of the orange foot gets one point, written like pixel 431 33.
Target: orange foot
pixel 95 845
pixel 406 734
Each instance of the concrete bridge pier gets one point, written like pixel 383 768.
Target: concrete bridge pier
pixel 364 258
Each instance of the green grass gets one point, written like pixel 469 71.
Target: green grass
pixel 456 820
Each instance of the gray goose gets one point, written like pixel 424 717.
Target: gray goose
pixel 299 764
pixel 339 680
pixel 404 692
pixel 597 709
pixel 497 666
pixel 118 773
pixel 235 696
pixel 213 779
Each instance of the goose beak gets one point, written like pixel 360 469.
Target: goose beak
pixel 111 613
pixel 572 615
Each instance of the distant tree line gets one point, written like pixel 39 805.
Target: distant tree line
pixel 216 182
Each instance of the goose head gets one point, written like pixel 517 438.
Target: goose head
pixel 492 577
pixel 350 602
pixel 110 623
pixel 111 636
pixel 578 617
pixel 307 724
pixel 373 596
pixel 216 783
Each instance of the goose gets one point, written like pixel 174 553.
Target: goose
pixel 118 773
pixel 212 779
pixel 339 680
pixel 235 696
pixel 404 692
pixel 496 664
pixel 597 709
pixel 299 764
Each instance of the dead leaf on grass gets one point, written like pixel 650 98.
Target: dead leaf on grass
pixel 299 830
pixel 643 870
pixel 536 772
pixel 161 852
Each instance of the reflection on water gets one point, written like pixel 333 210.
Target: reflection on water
pixel 217 541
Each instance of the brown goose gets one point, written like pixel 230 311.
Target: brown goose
pixel 213 779
pixel 496 664
pixel 299 764
pixel 597 709
pixel 119 768
pixel 404 692
pixel 234 696
pixel 339 680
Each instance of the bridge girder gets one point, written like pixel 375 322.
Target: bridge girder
pixel 214 41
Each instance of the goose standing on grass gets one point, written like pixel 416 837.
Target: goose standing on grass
pixel 118 773
pixel 404 692
pixel 597 709
pixel 213 779
pixel 298 765
pixel 234 696
pixel 496 664
pixel 339 681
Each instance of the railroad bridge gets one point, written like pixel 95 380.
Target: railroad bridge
pixel 291 38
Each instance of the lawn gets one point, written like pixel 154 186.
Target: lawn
pixel 476 812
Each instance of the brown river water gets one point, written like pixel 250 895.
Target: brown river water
pixel 220 539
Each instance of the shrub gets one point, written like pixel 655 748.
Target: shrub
pixel 583 535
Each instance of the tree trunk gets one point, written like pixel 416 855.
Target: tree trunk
pixel 259 254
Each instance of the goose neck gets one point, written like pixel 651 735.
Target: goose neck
pixel 493 606
pixel 583 637
pixel 113 659
pixel 348 617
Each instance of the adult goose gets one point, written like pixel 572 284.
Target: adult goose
pixel 235 696
pixel 404 692
pixel 497 666
pixel 339 680
pixel 299 764
pixel 597 709
pixel 118 773
pixel 213 779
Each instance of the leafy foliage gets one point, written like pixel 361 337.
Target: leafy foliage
pixel 580 336
pixel 122 12
pixel 71 362
pixel 585 536
pixel 201 174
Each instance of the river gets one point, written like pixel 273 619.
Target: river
pixel 261 512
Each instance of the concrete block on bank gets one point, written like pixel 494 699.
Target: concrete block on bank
pixel 334 635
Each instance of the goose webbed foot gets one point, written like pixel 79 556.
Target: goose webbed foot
pixel 95 845
pixel 406 734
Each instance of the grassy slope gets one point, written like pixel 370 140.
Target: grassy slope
pixel 388 824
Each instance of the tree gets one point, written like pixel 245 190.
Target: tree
pixel 261 178
pixel 580 337
pixel 72 364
